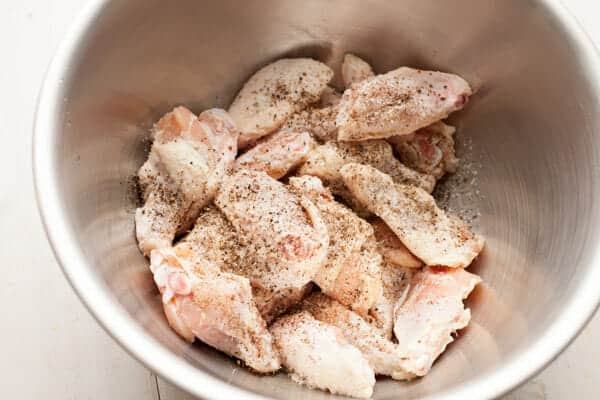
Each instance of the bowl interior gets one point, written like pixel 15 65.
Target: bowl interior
pixel 528 180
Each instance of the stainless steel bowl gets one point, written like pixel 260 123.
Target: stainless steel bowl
pixel 532 133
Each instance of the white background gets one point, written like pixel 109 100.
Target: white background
pixel 50 347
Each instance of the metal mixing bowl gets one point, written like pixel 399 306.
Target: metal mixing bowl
pixel 532 131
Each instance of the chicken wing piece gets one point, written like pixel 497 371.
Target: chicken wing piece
pixel 319 122
pixel 354 70
pixel 391 248
pixel 325 162
pixel 317 355
pixel 216 307
pixel 432 312
pixel 274 93
pixel 188 160
pixel 278 154
pixel 429 150
pixel 214 241
pixel 351 273
pixel 429 234
pixel 382 354
pixel 395 283
pixel 284 235
pixel 399 103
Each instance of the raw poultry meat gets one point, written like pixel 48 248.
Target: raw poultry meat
pixel 398 103
pixel 317 355
pixel 278 154
pixel 351 273
pixel 188 160
pixel 214 306
pixel 426 230
pixel 274 93
pixel 284 236
pixel 432 313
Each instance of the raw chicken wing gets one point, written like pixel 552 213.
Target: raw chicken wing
pixel 216 307
pixel 215 241
pixel 284 235
pixel 188 160
pixel 383 354
pixel 432 312
pixel 274 93
pixel 318 356
pixel 278 154
pixel 399 103
pixel 429 234
pixel 351 274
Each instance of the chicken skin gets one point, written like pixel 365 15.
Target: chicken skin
pixel 214 306
pixel 274 93
pixel 278 154
pixel 189 158
pixel 317 355
pixel 432 312
pixel 411 213
pixel 351 273
pixel 284 236
pixel 398 103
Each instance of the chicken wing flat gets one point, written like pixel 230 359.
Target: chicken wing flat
pixel 317 355
pixel 432 312
pixel 214 306
pixel 351 273
pixel 278 154
pixel 275 92
pixel 398 103
pixel 411 213
pixel 284 235
pixel 383 354
pixel 189 158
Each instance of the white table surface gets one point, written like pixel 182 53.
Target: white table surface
pixel 50 347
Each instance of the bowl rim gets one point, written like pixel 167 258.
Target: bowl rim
pixel 155 356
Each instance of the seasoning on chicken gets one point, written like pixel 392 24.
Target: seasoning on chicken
pixel 391 248
pixel 398 103
pixel 429 150
pixel 278 154
pixel 383 354
pixel 275 92
pixel 354 70
pixel 325 162
pixel 432 313
pixel 188 160
pixel 429 234
pixel 284 236
pixel 351 273
pixel 317 355
pixel 214 241
pixel 214 306
pixel 319 122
